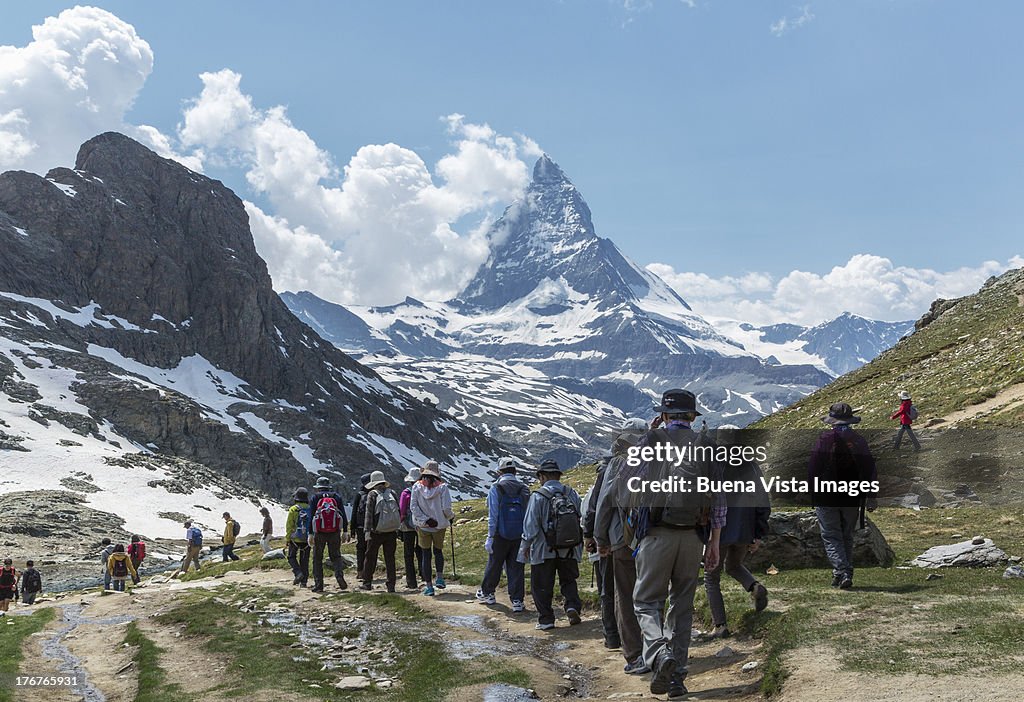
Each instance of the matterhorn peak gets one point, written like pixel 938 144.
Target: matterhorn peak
pixel 546 171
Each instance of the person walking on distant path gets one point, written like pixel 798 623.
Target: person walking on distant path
pixel 268 530
pixel 231 529
pixel 193 547
pixel 907 413
pixel 841 455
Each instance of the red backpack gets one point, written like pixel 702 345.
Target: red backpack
pixel 327 519
pixel 137 550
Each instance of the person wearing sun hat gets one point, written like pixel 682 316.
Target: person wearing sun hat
pixel 411 550
pixel 906 413
pixel 841 454
pixel 506 507
pixel 432 513
pixel 382 521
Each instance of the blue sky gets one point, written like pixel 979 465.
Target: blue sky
pixel 702 139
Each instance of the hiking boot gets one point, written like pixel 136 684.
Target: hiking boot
pixel 846 583
pixel 836 579
pixel 365 586
pixel 664 669
pixel 676 689
pixel 296 579
pixel 439 583
pixel 391 588
pixel 411 585
pixel 545 627
pixel 428 591
pixel 721 631
pixel 479 595
pixel 318 587
pixel 518 606
pixel 573 616
pixel 342 584
pixel 612 644
pixel 759 595
pixel 487 600
pixel 637 667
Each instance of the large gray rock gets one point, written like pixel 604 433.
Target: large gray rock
pixel 273 555
pixel 965 554
pixel 794 541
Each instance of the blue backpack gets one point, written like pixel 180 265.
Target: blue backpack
pixel 511 510
pixel 195 537
pixel 301 532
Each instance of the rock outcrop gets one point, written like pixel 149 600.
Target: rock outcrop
pixel 794 541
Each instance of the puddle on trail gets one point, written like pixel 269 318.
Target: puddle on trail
pixel 500 692
pixel 67 663
pixel 467 649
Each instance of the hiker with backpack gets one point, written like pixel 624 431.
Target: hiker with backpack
pixel 231 531
pixel 268 530
pixel 297 529
pixel 746 526
pixel 108 548
pixel 359 520
pixel 327 524
pixel 841 454
pixel 601 563
pixel 31 583
pixel 506 507
pixel 673 530
pixel 193 547
pixel 431 507
pixel 121 568
pixel 613 535
pixel 381 528
pixel 411 550
pixel 552 545
pixel 907 414
pixel 8 585
pixel 137 551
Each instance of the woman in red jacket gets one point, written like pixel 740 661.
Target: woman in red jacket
pixel 904 415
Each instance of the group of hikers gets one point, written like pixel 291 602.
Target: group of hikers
pixel 648 546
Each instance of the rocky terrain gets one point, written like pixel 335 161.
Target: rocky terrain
pixel 148 367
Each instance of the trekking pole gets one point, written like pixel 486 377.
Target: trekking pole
pixel 455 572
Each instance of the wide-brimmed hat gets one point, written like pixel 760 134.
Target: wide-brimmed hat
pixel 904 395
pixel 414 475
pixel 323 482
pixel 430 468
pixel 377 478
pixel 840 413
pixel 549 466
pixel 634 425
pixel 677 401
pixel 507 465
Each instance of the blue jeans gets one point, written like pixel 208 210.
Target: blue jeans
pixel 119 585
pixel 837 525
pixel 504 554
pixel 229 552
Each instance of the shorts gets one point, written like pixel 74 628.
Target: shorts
pixel 431 539
pixel 6 593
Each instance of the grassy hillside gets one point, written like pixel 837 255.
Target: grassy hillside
pixel 966 356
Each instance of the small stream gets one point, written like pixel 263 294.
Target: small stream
pixel 54 649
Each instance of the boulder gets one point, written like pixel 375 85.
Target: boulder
pixel 1014 571
pixel 794 541
pixel 353 682
pixel 273 555
pixel 965 554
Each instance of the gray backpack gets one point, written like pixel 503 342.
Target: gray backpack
pixel 387 518
pixel 677 508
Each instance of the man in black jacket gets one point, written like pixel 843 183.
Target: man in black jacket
pixel 358 519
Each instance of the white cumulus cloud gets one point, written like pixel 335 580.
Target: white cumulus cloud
pixel 77 78
pixel 866 285
pixel 388 230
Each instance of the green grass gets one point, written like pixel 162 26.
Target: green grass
pixel 262 659
pixel 14 632
pixel 153 685
pixel 965 357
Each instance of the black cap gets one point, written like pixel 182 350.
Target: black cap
pixel 549 466
pixel 678 401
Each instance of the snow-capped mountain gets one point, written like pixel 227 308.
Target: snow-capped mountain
pixel 147 364
pixel 556 308
pixel 838 346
